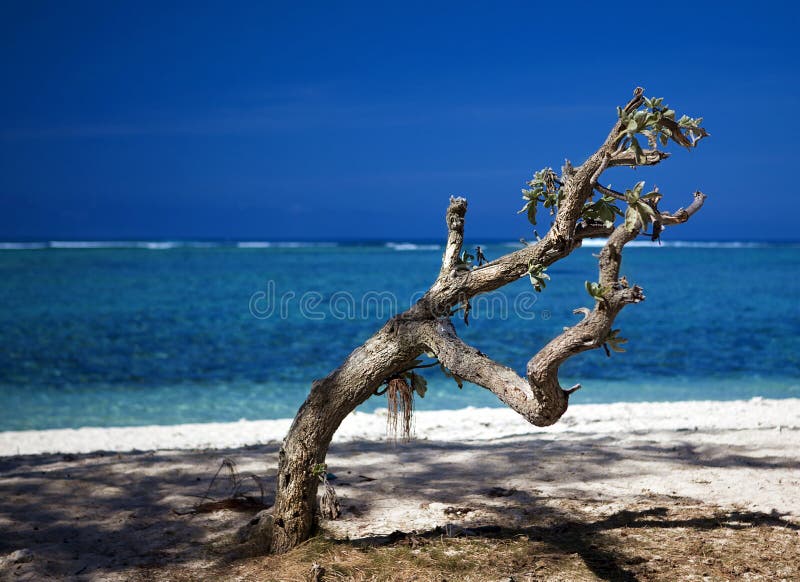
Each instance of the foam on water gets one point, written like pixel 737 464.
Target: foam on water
pixel 20 246
pixel 284 245
pixel 405 246
pixel 397 246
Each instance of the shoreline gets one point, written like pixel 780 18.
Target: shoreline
pixel 466 424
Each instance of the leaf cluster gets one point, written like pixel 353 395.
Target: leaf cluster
pixel 656 123
pixel 597 291
pixel 538 276
pixel 320 471
pixel 641 207
pixel 544 188
pixel 604 210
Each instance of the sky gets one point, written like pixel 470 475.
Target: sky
pixel 345 120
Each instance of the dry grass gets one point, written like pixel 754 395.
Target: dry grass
pixel 673 542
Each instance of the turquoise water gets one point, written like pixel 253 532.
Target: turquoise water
pixel 120 334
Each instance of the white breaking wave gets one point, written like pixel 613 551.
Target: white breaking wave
pixel 96 244
pixel 283 245
pixel 397 246
pixel 411 247
pixel 157 246
pixel 718 245
pixel 19 246
pixel 599 242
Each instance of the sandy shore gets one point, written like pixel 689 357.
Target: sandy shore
pixel 459 425
pixel 91 503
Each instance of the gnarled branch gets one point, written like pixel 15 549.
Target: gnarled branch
pixel 455 234
pixel 539 398
pixel 683 214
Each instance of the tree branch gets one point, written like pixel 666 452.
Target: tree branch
pixel 455 234
pixel 540 398
pixel 609 192
pixel 578 188
pixel 628 158
pixel 682 215
pixel 454 287
pixel 457 286
pixel 539 407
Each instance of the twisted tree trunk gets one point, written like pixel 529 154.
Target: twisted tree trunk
pixel 426 326
pixel 330 401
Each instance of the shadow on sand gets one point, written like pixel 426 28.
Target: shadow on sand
pixel 107 515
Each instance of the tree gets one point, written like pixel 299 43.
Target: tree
pixel 580 208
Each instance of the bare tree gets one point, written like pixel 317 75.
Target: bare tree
pixel 581 208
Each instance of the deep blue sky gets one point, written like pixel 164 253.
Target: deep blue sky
pixel 299 120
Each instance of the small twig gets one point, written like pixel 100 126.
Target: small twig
pixel 610 192
pixel 228 464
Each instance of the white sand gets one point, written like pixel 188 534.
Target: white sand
pixel 106 514
pixel 467 424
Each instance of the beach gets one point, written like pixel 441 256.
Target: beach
pixel 117 503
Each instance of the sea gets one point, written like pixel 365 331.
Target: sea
pixel 120 333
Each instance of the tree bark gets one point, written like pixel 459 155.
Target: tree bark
pixel 388 352
pixel 426 328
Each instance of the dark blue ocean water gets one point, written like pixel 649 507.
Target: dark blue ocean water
pixel 173 333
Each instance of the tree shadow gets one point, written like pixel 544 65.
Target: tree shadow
pixel 567 536
pixel 93 515
pixel 107 514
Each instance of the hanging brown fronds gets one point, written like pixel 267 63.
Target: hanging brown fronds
pixel 400 402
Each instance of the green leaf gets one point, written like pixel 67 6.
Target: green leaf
pixel 631 219
pixel 538 276
pixel 532 213
pixel 645 218
pixel 419 384
pixel 645 208
pixel 545 189
pixel 596 290
pixel 638 154
pixel 603 210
